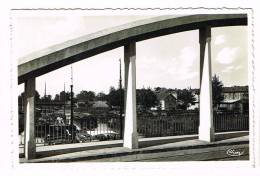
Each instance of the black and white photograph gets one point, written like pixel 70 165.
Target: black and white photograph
pixel 131 88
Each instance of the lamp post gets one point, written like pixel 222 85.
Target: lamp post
pixel 121 97
pixel 71 105
pixel 45 99
pixel 64 102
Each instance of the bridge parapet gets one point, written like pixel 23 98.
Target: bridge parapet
pixel 57 56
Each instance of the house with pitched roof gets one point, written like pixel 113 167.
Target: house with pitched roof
pixel 235 99
pixel 167 99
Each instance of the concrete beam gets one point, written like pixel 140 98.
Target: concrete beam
pixel 29 112
pixel 206 128
pixel 57 56
pixel 130 130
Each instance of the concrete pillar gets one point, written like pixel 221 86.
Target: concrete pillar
pixel 206 128
pixel 130 130
pixel 29 113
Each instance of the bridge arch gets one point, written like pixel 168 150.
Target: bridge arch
pixel 57 56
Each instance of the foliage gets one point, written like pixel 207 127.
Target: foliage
pixel 57 98
pixel 64 96
pixel 146 98
pixel 101 96
pixel 187 98
pixel 37 96
pixel 46 99
pixel 21 97
pixel 217 87
pixel 87 96
pixel 115 97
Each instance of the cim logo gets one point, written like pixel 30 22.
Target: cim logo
pixel 235 152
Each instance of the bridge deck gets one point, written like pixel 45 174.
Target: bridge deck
pixel 113 150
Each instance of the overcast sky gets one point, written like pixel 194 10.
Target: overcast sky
pixel 170 61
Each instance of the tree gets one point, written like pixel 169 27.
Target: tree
pixel 187 97
pixel 57 98
pixel 64 96
pixel 101 96
pixel 146 98
pixel 87 96
pixel 157 89
pixel 21 97
pixel 217 87
pixel 115 97
pixel 37 96
pixel 46 99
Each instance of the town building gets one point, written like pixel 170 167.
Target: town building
pixel 195 104
pixel 167 99
pixel 235 99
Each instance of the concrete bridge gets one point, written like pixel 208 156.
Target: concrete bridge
pixel 57 56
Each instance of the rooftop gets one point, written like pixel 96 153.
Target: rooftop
pixel 235 89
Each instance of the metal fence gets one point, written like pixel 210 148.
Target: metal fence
pixel 83 130
pixel 230 121
pixel 53 128
pixel 181 123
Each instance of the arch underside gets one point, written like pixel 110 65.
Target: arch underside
pixel 55 57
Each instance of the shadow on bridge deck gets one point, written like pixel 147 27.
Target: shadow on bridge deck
pixel 114 149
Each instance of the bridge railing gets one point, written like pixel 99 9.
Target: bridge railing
pixel 53 128
pixel 231 121
pixel 167 124
pixel 188 123
pixel 158 126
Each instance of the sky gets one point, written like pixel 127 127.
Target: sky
pixel 170 61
